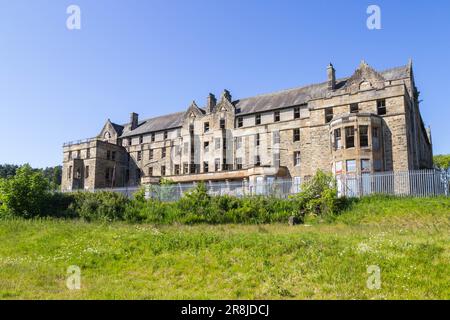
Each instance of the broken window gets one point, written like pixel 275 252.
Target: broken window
pixel 258 119
pixel 297 113
pixel 276 116
pixel 337 139
pixel 238 163
pixel 349 137
pixel 296 135
pixel 363 136
pixel 328 115
pixel 240 122
pixel 354 108
pixel 381 107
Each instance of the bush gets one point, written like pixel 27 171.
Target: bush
pixel 27 194
pixel 106 206
pixel 319 197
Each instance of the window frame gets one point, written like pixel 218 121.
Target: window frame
pixel 296 135
pixel 347 137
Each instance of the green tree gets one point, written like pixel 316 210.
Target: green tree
pixel 8 170
pixel 27 194
pixel 442 161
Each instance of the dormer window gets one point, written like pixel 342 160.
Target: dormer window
pixel 222 123
pixel 276 116
pixel 240 122
pixel 258 119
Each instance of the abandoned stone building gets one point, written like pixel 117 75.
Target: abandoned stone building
pixel 366 123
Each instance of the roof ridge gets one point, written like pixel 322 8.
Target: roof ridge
pixel 157 117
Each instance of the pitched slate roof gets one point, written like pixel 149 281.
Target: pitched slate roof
pixel 173 120
pixel 298 96
pixel 261 103
pixel 118 128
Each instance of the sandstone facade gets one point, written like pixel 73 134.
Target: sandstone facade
pixel 369 122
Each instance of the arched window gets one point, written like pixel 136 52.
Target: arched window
pixel 107 135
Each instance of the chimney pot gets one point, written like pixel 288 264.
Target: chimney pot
pixel 134 120
pixel 331 77
pixel 211 103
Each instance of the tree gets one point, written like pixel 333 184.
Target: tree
pixel 53 175
pixel 442 161
pixel 26 194
pixel 8 170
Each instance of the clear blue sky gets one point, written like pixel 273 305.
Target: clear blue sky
pixel 155 57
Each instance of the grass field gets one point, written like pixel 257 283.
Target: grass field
pixel 409 239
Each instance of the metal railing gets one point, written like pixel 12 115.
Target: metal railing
pixel 421 183
pixel 416 183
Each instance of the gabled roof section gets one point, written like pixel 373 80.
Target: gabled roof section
pixel 194 109
pixel 162 123
pixel 301 95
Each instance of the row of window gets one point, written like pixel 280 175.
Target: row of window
pixel 221 142
pixel 350 137
pixel 276 117
pixel 78 173
pixel 354 108
pixel 195 168
pixel 350 166
pixel 77 154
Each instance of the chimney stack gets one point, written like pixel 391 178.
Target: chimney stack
pixel 134 120
pixel 331 77
pixel 211 103
pixel 226 95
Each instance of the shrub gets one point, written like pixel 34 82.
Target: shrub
pixel 27 194
pixel 106 206
pixel 319 196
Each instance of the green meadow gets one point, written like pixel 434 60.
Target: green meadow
pixel 324 258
